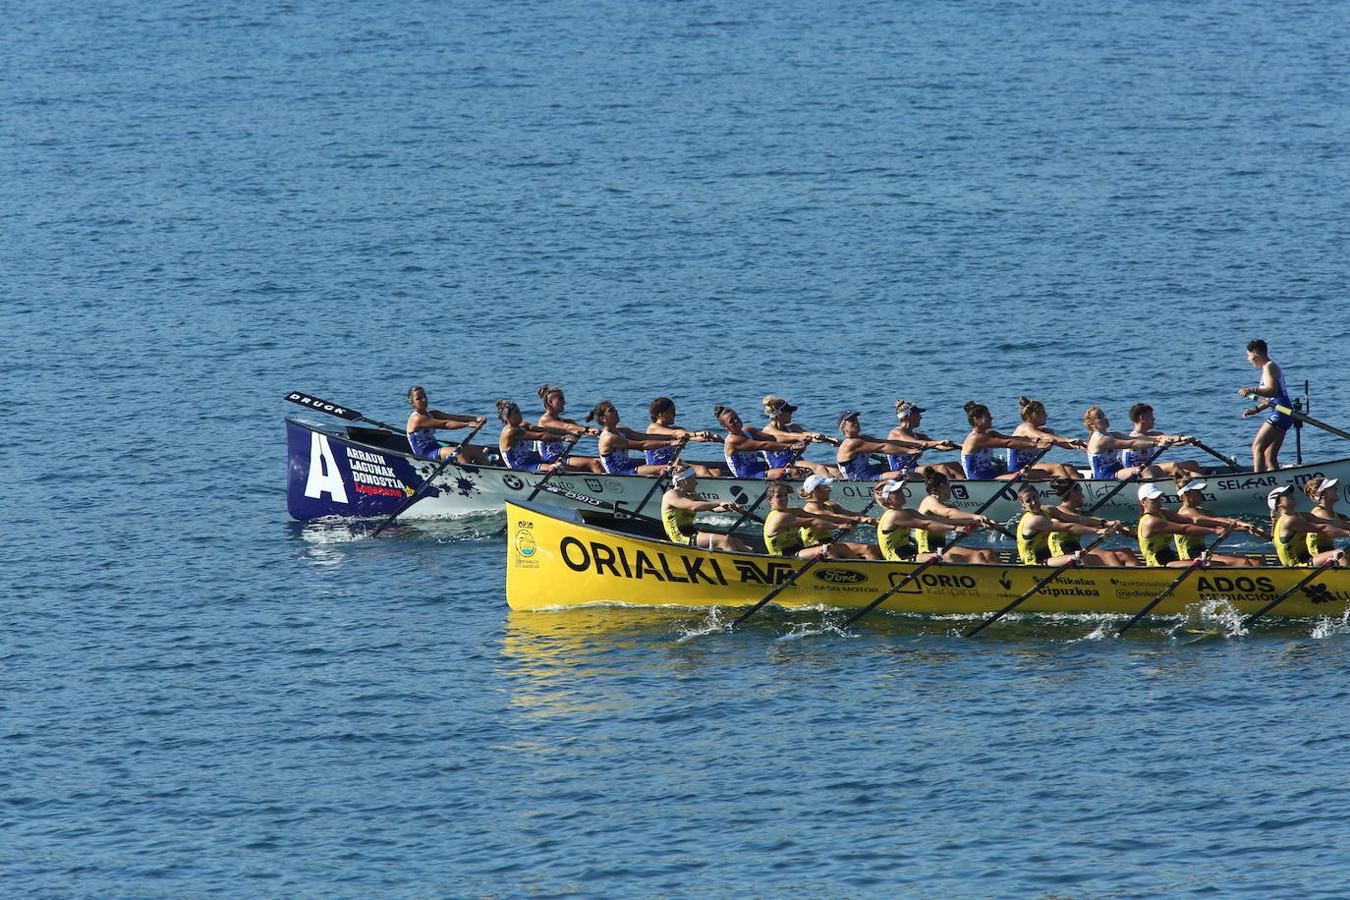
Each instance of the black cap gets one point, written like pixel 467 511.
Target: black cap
pixel 846 415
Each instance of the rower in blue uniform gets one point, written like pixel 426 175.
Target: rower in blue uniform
pixel 552 450
pixel 514 441
pixel 744 448
pixel 852 455
pixel 977 451
pixel 662 412
pixel 616 441
pixel 423 423
pixel 1104 449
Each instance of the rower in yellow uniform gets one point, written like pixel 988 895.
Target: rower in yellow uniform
pixel 1070 509
pixel 783 524
pixel 1322 492
pixel 816 492
pixel 1035 527
pixel 1157 525
pixel 679 505
pixel 898 523
pixel 1288 528
pixel 939 490
pixel 1189 546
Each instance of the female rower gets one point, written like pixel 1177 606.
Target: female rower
pixel 899 523
pixel 616 441
pixel 816 492
pixel 662 413
pixel 680 504
pixel 780 427
pixel 1033 427
pixel 908 415
pixel 935 506
pixel 423 423
pixel 551 451
pixel 742 448
pixel 1191 491
pixel 1270 436
pixel 1322 492
pixel 977 451
pixel 854 448
pixel 1035 527
pixel 1286 526
pixel 1070 509
pixel 1104 449
pixel 512 442
pixel 1157 525
pixel 1141 414
pixel 783 524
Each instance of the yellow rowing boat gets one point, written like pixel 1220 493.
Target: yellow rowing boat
pixel 560 558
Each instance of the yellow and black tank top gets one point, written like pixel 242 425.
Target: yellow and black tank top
pixel 780 542
pixel 1156 549
pixel 1291 550
pixel 679 524
pixel 1033 549
pixel 926 541
pixel 894 543
pixel 1319 543
pixel 1063 543
pixel 821 533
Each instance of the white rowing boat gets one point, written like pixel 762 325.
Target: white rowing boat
pixel 347 470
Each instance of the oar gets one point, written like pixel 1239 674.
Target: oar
pixel 1226 460
pixel 1317 423
pixel 335 409
pixel 1330 563
pixel 750 510
pixel 656 482
pixel 937 557
pixel 1126 482
pixel 558 464
pixel 426 483
pixel 1060 570
pixel 1035 588
pixel 836 535
pixel 1198 563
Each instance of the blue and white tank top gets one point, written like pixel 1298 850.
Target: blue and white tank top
pixel 1017 458
pixel 746 463
pixel 902 462
pixel 550 451
pixel 618 462
pixel 775 459
pixel 981 465
pixel 860 468
pixel 660 456
pixel 1106 465
pixel 521 457
pixel 424 444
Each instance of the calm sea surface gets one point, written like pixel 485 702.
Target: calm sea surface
pixel 205 205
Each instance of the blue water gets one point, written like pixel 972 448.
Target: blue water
pixel 207 205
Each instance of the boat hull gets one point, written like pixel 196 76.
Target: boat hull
pixel 556 560
pixel 343 471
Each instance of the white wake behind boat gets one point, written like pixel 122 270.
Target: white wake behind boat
pixel 348 470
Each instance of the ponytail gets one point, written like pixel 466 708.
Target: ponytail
pixel 1029 407
pixel 504 409
pixel 975 411
pixel 598 410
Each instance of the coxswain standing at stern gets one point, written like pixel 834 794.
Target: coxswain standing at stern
pixel 1270 436
pixel 423 423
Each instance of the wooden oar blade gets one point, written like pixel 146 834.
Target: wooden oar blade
pixel 333 409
